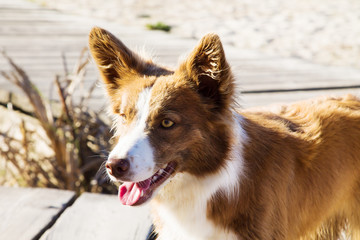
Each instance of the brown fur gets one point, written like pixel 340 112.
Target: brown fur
pixel 301 164
pixel 302 175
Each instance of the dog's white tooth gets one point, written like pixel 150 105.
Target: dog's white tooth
pixel 142 194
pixel 154 178
pixel 160 171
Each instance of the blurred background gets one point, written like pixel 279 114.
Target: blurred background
pixel 325 31
pixel 54 128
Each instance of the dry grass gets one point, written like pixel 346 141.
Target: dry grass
pixel 78 138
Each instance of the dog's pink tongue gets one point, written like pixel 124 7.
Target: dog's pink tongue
pixel 130 193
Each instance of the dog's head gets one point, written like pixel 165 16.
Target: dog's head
pixel 166 121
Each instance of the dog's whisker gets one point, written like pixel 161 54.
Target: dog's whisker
pixel 101 173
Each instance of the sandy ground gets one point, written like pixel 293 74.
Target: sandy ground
pixel 324 31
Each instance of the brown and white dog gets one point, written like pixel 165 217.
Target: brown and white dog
pixel 214 172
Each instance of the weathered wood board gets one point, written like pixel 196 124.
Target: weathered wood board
pixel 266 99
pixel 98 217
pixel 26 212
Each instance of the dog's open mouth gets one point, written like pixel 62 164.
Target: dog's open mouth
pixel 136 193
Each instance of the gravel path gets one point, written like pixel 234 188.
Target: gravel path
pixel 326 31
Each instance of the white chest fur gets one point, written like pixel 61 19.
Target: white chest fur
pixel 184 217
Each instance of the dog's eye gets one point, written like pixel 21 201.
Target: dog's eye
pixel 167 123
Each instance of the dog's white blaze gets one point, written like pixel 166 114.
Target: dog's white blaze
pixel 190 220
pixel 135 145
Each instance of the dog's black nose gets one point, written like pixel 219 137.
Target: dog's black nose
pixel 117 167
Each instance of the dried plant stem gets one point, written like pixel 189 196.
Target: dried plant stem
pixel 74 137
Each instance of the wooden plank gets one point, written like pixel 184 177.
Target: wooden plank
pixel 287 73
pixel 272 84
pixel 18 4
pixel 96 216
pixel 264 99
pixel 26 212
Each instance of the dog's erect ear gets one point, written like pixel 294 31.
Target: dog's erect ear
pixel 207 66
pixel 116 62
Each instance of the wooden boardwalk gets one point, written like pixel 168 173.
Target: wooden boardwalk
pixel 52 214
pixel 37 38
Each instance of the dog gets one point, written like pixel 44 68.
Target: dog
pixel 211 170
